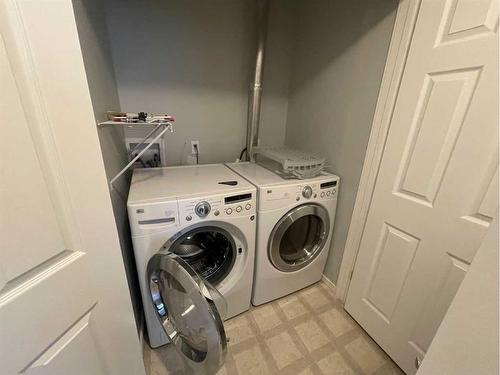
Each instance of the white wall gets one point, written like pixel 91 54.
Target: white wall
pixel 93 35
pixel 467 339
pixel 193 59
pixel 338 65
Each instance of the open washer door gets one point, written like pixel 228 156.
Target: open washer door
pixel 190 311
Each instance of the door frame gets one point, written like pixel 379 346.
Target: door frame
pixel 404 26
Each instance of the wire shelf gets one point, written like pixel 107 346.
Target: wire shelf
pixel 122 123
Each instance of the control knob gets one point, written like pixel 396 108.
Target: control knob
pixel 202 209
pixel 307 192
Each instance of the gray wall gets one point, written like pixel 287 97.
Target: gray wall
pixel 338 65
pixel 96 52
pixel 194 59
pixel 277 72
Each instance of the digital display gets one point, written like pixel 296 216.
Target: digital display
pixel 237 198
pixel 325 185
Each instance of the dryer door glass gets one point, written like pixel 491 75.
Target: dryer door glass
pixel 209 250
pixel 298 238
pixel 190 311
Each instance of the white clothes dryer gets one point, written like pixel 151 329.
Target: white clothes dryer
pixel 201 221
pixel 295 221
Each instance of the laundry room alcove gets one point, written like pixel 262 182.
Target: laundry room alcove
pixel 324 61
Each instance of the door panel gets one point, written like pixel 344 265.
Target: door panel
pixel 436 189
pixel 442 105
pixel 24 194
pixel 433 313
pixel 40 306
pixel 463 19
pixel 75 350
pixel 485 197
pixel 395 253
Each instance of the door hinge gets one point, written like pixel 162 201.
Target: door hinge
pixel 350 275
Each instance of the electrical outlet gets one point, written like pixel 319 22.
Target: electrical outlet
pixel 193 148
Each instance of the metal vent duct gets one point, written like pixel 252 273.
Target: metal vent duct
pixel 255 95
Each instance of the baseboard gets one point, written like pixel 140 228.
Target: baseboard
pixel 329 283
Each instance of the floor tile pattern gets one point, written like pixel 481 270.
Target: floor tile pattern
pixel 306 333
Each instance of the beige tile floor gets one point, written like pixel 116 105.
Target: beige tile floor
pixel 306 333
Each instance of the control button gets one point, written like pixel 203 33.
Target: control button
pixel 328 193
pixel 334 191
pixel 322 195
pixel 238 209
pixel 315 195
pixel 216 212
pixel 229 211
pixel 307 192
pixel 202 209
pixel 297 199
pixel 189 217
pixel 248 206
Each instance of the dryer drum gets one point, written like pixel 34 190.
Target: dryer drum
pixel 298 237
pixel 210 251
pixel 301 238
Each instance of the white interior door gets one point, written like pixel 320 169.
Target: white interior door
pixel 46 298
pixel 436 190
pixel 64 306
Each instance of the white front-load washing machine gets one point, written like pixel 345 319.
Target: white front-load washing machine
pixel 192 227
pixel 295 221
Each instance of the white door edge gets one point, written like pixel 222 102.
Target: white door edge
pixel 399 46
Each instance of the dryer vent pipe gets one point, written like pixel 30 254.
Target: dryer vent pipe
pixel 255 94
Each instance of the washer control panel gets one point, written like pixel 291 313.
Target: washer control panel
pixel 240 204
pixel 217 207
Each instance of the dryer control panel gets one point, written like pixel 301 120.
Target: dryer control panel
pixel 216 207
pixel 303 192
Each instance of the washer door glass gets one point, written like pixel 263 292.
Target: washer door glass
pixel 298 238
pixel 210 251
pixel 190 311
